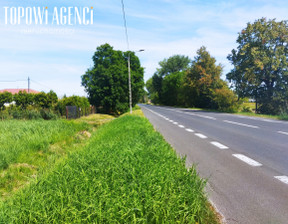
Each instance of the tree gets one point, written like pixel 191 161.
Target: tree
pixel 170 66
pixel 5 97
pixel 152 94
pixel 261 66
pixel 107 81
pixel 172 89
pixel 176 63
pixel 202 79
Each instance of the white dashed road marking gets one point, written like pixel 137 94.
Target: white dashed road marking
pixel 201 135
pixel 241 124
pixel 199 115
pixel 284 179
pixel 219 145
pixel 241 157
pixel 283 132
pixel 247 160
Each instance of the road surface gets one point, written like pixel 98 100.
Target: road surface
pixel 244 159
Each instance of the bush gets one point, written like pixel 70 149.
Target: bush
pixel 4 115
pixel 32 114
pixel 246 109
pixel 226 100
pixel 17 114
pixel 48 115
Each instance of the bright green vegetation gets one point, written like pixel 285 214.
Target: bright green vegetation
pixel 126 174
pixel 191 83
pixel 21 139
pixel 29 148
pixel 106 80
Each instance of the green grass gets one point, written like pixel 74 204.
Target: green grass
pixel 127 174
pixel 20 139
pixel 29 148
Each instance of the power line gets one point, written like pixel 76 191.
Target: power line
pixel 40 84
pixel 13 81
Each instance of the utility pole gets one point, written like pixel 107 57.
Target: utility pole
pixel 28 84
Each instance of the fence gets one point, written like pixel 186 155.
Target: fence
pixel 73 112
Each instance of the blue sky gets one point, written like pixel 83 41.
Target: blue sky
pixel 55 57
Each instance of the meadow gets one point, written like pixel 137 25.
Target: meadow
pixel 126 173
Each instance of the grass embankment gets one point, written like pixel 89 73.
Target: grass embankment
pixel 30 147
pixel 127 174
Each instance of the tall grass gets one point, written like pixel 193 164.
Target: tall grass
pixel 127 174
pixel 19 139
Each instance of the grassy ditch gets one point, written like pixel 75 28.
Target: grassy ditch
pixel 29 148
pixel 127 174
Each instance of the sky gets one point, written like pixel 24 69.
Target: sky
pixel 55 54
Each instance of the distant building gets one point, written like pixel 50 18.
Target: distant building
pixel 14 91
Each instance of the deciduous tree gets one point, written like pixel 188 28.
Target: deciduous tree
pixel 107 81
pixel 261 64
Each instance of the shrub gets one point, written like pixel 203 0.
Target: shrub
pixel 48 115
pixel 246 109
pixel 32 114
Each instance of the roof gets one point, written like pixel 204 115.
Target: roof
pixel 14 91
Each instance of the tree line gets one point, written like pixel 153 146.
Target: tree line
pixel 260 72
pixel 23 105
pixel 181 81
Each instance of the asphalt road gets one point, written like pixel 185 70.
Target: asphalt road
pixel 244 159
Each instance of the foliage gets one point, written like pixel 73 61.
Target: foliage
pixel 260 64
pixel 5 97
pixel 107 81
pixel 40 105
pixel 246 109
pixel 161 88
pixel 173 64
pixel 225 100
pixel 80 102
pixel 177 83
pixel 203 86
pixel 127 174
pixel 23 99
pixel 172 89
pixel 44 100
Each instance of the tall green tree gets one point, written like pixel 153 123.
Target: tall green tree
pixel 172 89
pixel 261 64
pixel 107 81
pixel 170 66
pixel 175 63
pixel 202 79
